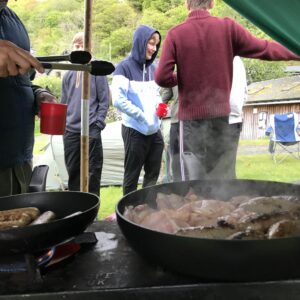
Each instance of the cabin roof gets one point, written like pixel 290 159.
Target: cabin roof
pixel 275 91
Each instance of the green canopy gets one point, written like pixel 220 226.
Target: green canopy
pixel 278 18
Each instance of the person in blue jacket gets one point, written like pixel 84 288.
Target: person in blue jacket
pixel 19 102
pixel 136 95
pixel 98 104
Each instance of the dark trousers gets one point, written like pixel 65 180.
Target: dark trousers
pixel 174 152
pixel 141 151
pixel 72 159
pixel 234 137
pixel 213 143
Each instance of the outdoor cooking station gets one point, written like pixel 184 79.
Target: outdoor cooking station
pixel 110 269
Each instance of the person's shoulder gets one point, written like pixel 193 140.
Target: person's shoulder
pixel 177 27
pixel 224 20
pixel 123 67
pixel 119 70
pixel 227 24
pixel 231 22
pixel 215 19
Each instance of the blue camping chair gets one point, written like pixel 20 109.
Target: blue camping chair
pixel 284 136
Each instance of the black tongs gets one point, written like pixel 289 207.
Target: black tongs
pixel 75 57
pixel 95 67
pixel 79 61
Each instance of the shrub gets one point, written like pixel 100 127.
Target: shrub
pixel 51 82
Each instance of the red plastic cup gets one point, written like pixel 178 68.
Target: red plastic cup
pixel 53 118
pixel 162 110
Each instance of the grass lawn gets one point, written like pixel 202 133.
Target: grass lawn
pixel 37 127
pixel 109 198
pixel 259 167
pixel 263 141
pixel 41 140
pixel 262 167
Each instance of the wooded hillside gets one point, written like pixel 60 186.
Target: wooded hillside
pixel 52 24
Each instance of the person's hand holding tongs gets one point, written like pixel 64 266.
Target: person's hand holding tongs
pixel 16 61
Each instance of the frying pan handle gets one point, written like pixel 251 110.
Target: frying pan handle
pixel 38 179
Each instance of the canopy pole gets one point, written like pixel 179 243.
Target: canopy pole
pixel 84 141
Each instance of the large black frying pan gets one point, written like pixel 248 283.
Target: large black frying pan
pixel 30 239
pixel 209 259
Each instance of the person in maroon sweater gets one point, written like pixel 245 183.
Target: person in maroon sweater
pixel 202 50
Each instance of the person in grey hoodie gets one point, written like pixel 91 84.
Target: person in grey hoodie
pixel 137 96
pixel 98 103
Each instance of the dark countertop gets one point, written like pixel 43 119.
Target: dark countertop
pixel 111 270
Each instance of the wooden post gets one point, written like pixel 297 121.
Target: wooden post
pixel 85 104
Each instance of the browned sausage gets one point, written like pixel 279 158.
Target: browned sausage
pixel 15 220
pixel 11 214
pixel 17 217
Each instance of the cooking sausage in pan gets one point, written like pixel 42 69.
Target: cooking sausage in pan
pixel 18 217
pixel 18 220
pixel 10 214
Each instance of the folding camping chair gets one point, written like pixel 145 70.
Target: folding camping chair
pixel 284 137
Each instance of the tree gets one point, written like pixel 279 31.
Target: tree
pixel 110 16
pixel 136 4
pixel 118 44
pixel 161 5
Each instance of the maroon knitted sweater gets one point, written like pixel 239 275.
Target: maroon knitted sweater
pixel 203 48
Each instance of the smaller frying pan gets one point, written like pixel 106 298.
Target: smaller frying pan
pixel 30 239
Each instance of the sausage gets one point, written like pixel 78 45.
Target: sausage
pixel 45 217
pixel 15 220
pixel 17 217
pixel 11 214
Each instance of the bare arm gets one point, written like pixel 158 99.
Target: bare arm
pixel 16 61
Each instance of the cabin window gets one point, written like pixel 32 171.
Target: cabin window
pixel 262 120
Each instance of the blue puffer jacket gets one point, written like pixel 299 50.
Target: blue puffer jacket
pixel 16 100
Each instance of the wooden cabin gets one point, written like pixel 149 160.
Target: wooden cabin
pixel 275 96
